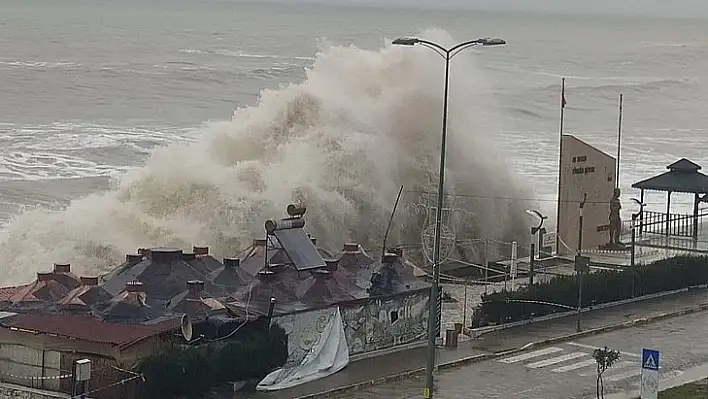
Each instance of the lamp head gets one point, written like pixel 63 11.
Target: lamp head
pixel 492 41
pixel 405 41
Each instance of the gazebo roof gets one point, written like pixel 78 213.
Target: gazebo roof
pixel 683 177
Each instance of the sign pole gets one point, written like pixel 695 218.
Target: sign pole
pixel 650 374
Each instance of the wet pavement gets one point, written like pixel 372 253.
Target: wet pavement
pixel 567 370
pixel 497 380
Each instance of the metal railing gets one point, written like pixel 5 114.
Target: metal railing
pixel 657 223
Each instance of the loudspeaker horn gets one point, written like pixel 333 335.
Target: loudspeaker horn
pixel 186 328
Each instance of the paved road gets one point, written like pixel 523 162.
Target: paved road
pixel 567 370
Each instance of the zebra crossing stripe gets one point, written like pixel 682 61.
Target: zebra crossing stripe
pixel 554 360
pixel 624 376
pixel 617 366
pixel 626 354
pixel 525 356
pixel 575 366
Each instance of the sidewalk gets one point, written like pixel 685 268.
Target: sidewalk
pixel 405 361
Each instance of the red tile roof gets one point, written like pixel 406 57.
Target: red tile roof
pixel 89 329
pixel 7 292
pixel 40 291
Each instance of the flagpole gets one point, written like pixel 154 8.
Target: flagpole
pixel 560 164
pixel 619 143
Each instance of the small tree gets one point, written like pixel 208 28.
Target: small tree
pixel 605 358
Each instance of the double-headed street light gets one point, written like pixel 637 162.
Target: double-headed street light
pixel 434 315
pixel 534 232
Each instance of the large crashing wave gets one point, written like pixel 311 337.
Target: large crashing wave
pixel 362 124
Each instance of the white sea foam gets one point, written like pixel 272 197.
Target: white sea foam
pixel 343 141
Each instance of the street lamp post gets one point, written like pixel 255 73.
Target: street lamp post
pixel 433 314
pixel 578 267
pixel 534 232
pixel 632 262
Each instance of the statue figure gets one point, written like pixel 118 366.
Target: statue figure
pixel 615 219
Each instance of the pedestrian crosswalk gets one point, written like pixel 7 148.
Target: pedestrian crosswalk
pixel 576 358
pixel 554 360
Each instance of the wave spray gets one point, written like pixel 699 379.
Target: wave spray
pixel 343 141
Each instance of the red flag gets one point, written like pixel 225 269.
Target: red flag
pixel 563 102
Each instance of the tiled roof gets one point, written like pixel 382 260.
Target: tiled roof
pixel 7 292
pixel 40 291
pixel 88 329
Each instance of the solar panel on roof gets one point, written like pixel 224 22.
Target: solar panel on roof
pixel 299 248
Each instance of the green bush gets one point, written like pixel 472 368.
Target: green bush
pixel 181 371
pixel 598 288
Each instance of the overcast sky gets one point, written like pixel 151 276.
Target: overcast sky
pixel 680 8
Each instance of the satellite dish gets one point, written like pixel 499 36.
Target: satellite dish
pixel 186 328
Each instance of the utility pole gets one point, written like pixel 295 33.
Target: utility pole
pixel 632 263
pixel 578 268
pixel 514 253
pixel 486 266
pixel 531 259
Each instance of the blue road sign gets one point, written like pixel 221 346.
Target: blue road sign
pixel 650 359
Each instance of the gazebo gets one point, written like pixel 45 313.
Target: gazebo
pixel 683 177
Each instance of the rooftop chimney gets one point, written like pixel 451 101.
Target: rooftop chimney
pixel 62 268
pixel 195 287
pixel 332 264
pixel 276 267
pixel 259 242
pixel 200 250
pixel 133 259
pixel 351 247
pixel 232 262
pixel 322 274
pixel 265 274
pixel 89 281
pixel 165 255
pixel 187 256
pixel 134 286
pixel 44 276
pixel 390 258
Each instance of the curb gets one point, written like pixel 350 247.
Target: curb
pixel 494 355
pixel 478 332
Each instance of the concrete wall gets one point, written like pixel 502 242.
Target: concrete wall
pixel 584 169
pixel 370 324
pixel 385 322
pixel 31 367
pixel 19 392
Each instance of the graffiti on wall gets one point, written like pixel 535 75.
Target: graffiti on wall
pixel 304 331
pixel 381 323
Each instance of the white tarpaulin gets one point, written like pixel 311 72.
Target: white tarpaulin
pixel 317 348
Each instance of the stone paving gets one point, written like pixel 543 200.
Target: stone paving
pixel 520 380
